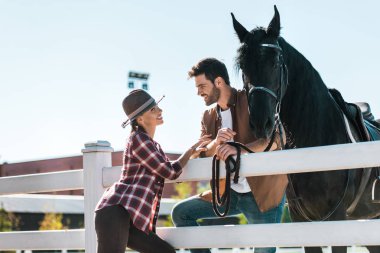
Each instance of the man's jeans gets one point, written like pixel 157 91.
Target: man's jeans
pixel 188 211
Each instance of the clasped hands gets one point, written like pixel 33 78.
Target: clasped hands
pixel 201 144
pixel 224 150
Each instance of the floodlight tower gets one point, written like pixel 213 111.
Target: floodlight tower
pixel 138 80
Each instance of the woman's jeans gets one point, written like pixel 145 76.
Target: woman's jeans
pixel 115 232
pixel 187 212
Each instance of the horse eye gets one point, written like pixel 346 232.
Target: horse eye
pixel 245 79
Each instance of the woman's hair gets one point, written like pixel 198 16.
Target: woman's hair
pixel 135 126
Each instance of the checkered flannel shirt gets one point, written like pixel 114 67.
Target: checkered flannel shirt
pixel 142 179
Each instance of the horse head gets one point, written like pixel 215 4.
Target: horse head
pixel 264 72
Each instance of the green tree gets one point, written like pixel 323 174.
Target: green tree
pixel 183 190
pixel 8 221
pixel 52 221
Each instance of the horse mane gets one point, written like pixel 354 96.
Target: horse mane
pixel 308 108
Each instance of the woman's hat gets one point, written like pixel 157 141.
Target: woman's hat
pixel 136 103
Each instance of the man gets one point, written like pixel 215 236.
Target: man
pixel 260 199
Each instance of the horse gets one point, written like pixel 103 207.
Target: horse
pixel 284 91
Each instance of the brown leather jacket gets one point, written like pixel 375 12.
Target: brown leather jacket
pixel 267 190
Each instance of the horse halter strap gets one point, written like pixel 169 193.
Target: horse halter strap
pixel 283 75
pixel 277 97
pixel 270 92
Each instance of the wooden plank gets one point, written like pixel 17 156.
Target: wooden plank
pixel 42 182
pixel 335 157
pixel 333 233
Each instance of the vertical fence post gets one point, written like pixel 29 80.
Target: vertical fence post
pixel 96 156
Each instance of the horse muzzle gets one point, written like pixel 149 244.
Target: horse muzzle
pixel 262 129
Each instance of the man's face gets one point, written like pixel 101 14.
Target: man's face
pixel 206 89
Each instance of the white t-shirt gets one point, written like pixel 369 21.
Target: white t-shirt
pixel 242 186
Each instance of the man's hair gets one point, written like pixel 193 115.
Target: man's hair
pixel 212 68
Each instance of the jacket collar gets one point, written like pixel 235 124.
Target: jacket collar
pixel 231 102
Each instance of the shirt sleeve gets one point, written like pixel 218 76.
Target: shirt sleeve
pixel 203 124
pixel 146 152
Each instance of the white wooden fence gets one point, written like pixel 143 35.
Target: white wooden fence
pixel 98 175
pixel 65 204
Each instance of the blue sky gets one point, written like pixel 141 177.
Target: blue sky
pixel 64 64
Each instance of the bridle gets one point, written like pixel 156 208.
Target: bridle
pixel 233 166
pixel 278 95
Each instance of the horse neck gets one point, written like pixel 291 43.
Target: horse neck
pixel 308 111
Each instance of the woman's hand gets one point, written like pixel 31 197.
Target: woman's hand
pixel 201 144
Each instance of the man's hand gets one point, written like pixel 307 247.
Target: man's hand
pixel 224 135
pixel 223 151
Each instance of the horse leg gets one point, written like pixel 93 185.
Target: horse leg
pixel 340 214
pixel 313 250
pixel 296 217
pixel 339 249
pixel 373 249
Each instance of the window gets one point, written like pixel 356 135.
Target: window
pixel 131 85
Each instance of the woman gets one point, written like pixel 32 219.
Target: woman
pixel 127 212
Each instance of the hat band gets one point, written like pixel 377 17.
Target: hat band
pixel 132 115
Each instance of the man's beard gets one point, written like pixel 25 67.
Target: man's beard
pixel 213 97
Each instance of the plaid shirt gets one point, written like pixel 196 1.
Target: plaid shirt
pixel 142 179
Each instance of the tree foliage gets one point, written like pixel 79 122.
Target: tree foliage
pixel 8 220
pixel 52 221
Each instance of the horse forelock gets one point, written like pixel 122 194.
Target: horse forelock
pixel 249 48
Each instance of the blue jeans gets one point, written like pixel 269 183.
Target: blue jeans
pixel 188 211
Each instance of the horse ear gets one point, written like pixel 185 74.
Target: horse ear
pixel 239 29
pixel 274 25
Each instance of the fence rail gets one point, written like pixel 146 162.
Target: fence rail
pixel 333 233
pixel 42 182
pixel 67 204
pixel 335 157
pixel 98 174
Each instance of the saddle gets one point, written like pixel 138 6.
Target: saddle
pixel 371 124
pixel 360 116
pixel 368 129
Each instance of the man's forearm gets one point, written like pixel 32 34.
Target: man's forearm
pixel 259 145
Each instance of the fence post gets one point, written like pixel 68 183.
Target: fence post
pixel 96 156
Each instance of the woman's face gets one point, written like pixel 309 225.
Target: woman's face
pixel 152 117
